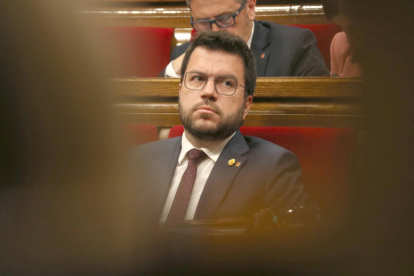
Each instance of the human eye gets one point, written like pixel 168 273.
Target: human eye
pixel 196 77
pixel 204 24
pixel 225 20
pixel 226 82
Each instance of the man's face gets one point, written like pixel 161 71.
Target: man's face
pixel 207 115
pixel 211 9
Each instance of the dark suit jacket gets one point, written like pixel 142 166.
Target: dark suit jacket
pixel 268 176
pixel 280 51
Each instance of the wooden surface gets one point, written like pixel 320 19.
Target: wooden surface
pixel 179 16
pixel 310 102
pixel 292 87
pixel 184 1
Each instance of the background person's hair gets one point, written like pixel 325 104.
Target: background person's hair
pixel 240 1
pixel 228 43
pixel 330 8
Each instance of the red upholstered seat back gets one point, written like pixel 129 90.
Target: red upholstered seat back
pixel 143 51
pixel 326 156
pixel 141 134
pixel 324 34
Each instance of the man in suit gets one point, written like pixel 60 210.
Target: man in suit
pixel 237 175
pixel 279 50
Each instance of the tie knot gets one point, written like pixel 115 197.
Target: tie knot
pixel 196 154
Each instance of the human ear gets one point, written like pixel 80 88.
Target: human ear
pixel 251 9
pixel 247 105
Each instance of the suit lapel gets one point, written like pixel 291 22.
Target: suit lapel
pixel 260 43
pixel 222 176
pixel 165 164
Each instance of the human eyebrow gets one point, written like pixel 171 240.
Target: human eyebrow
pixel 197 72
pixel 215 75
pixel 227 76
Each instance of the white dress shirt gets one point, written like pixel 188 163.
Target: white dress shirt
pixel 170 73
pixel 203 172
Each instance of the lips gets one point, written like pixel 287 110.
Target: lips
pixel 206 109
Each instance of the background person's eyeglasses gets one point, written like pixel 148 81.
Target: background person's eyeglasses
pixel 225 85
pixel 224 21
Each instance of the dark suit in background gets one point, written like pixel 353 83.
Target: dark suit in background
pixel 280 51
pixel 268 176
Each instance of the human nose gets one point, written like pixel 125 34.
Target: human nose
pixel 215 27
pixel 209 90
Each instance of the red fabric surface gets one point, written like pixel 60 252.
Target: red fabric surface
pixel 324 34
pixel 193 35
pixel 143 51
pixel 326 156
pixel 176 131
pixel 141 134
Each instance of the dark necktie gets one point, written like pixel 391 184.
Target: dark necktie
pixel 182 197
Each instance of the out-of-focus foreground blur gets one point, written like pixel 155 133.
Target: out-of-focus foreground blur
pixel 381 231
pixel 67 208
pixel 64 205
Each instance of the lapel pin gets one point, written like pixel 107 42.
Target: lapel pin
pixel 231 162
pixel 262 56
pixel 238 164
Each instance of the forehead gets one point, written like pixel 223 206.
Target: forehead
pixel 216 63
pixel 202 9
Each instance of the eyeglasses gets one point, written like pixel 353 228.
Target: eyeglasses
pixel 225 85
pixel 224 21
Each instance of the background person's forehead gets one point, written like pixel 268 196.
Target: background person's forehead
pixel 211 9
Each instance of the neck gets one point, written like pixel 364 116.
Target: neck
pixel 198 143
pixel 250 23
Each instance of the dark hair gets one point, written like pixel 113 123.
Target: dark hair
pixel 229 43
pixel 331 8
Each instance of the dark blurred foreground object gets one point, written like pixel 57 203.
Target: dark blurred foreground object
pixel 141 134
pixel 380 238
pixel 64 201
pixel 245 245
pixel 263 219
pixel 142 51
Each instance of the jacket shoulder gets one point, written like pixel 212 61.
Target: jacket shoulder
pixel 154 147
pixel 286 30
pixel 264 147
pixel 179 50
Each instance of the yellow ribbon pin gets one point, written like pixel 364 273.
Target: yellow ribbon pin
pixel 231 162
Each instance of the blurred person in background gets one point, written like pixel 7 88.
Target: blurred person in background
pixel 380 237
pixel 64 206
pixel 343 61
pixel 279 50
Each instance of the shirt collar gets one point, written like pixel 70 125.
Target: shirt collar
pixel 213 151
pixel 249 41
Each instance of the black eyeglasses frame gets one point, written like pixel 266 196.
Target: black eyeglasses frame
pixel 207 78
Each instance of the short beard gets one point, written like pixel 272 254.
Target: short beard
pixel 223 130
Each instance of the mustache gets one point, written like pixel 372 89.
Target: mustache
pixel 209 103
